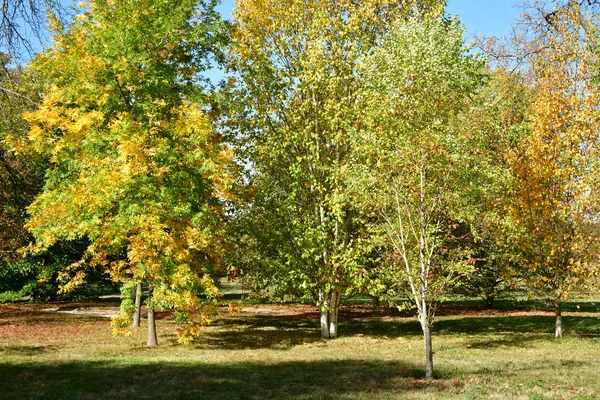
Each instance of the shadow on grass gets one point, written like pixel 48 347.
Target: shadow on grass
pixel 517 324
pixel 51 319
pixel 477 325
pixel 260 332
pixel 253 338
pixel 513 340
pixel 26 350
pixel 281 332
pixel 256 332
pixel 174 380
pixel 568 306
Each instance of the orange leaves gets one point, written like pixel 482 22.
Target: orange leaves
pixel 234 308
pixel 557 192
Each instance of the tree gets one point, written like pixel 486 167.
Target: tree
pixel 22 33
pixel 556 168
pixel 295 92
pixel 137 311
pixel 495 127
pixel 549 14
pixel 136 168
pixel 415 168
pixel 21 178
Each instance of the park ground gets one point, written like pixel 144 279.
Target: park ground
pixel 270 351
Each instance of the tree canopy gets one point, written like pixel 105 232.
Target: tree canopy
pixel 136 168
pixel 355 148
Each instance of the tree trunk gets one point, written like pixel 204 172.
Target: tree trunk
pixel 428 349
pixel 324 323
pixel 152 339
pixel 333 314
pixel 558 331
pixel 138 306
pixel 330 305
pixel 489 301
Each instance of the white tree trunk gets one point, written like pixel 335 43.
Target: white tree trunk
pixel 558 331
pixel 333 315
pixel 330 305
pixel 324 323
pixel 428 349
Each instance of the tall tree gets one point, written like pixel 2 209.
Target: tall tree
pixel 557 167
pixel 296 89
pixel 136 168
pixel 415 168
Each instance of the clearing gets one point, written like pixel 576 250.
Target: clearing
pixel 269 351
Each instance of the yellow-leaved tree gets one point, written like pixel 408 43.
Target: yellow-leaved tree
pixel 136 168
pixel 556 168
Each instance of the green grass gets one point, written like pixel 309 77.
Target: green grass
pixel 479 355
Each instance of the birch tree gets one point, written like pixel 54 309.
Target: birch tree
pixel 415 169
pixel 295 91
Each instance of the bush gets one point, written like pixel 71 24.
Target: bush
pixel 37 279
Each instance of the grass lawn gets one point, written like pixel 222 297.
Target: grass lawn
pixel 271 351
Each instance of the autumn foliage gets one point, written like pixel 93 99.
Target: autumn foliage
pixel 136 168
pixel 355 148
pixel 556 169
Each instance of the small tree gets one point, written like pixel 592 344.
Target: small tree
pixel 415 168
pixel 136 167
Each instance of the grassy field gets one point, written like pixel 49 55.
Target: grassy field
pixel 272 351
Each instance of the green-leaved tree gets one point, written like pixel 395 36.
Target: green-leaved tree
pixel 416 170
pixel 136 168
pixel 296 91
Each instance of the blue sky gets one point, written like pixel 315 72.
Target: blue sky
pixel 481 17
pixel 485 17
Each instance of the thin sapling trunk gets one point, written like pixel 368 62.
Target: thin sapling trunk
pixel 428 349
pixel 330 305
